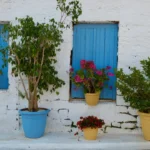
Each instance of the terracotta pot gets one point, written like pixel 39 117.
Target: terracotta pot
pixel 90 133
pixel 92 98
pixel 145 123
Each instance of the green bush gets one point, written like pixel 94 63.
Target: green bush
pixel 135 87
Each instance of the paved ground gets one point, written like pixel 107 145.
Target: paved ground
pixel 67 141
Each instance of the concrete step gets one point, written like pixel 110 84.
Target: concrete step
pixel 67 141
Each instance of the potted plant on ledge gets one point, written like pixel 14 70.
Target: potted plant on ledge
pixel 135 89
pixel 89 125
pixel 91 80
pixel 32 53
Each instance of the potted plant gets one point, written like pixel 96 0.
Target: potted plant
pixel 91 80
pixel 89 125
pixel 32 53
pixel 135 89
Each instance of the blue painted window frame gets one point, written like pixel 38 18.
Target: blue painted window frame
pixel 97 42
pixel 4 77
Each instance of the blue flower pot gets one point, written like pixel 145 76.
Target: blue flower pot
pixel 34 123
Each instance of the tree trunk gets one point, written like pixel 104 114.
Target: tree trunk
pixel 30 105
pixel 33 103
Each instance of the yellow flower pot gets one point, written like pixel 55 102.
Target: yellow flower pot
pixel 90 133
pixel 92 98
pixel 145 123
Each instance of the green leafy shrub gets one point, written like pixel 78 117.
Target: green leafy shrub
pixel 135 87
pixel 33 48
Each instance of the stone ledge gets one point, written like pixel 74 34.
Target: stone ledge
pixel 66 141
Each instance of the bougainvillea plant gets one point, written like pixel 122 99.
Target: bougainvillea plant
pixel 89 77
pixel 90 122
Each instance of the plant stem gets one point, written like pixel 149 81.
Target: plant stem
pixel 26 93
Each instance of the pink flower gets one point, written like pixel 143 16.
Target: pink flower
pixel 108 67
pixel 83 64
pixel 110 74
pixel 71 70
pixel 99 72
pixel 91 65
pixel 78 79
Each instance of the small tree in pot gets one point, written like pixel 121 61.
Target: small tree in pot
pixel 33 49
pixel 135 88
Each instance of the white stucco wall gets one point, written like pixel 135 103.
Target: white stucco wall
pixel 134 45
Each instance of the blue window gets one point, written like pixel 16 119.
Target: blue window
pixel 4 75
pixel 97 42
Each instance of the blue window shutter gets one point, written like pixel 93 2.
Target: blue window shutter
pixel 97 42
pixel 4 76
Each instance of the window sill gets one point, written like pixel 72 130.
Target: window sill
pixel 83 101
